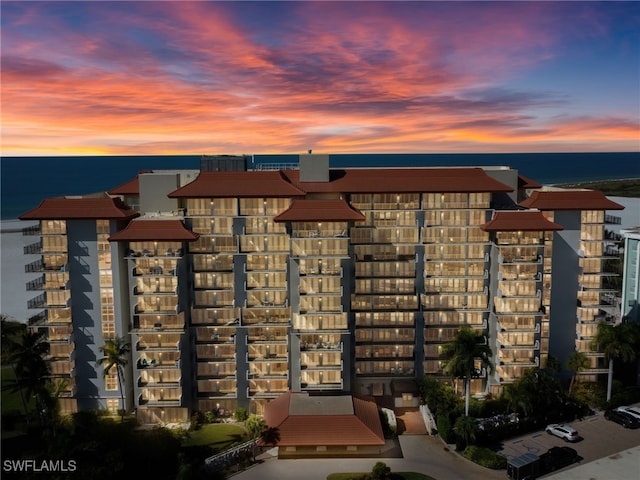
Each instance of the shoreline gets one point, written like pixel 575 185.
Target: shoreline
pixel 626 187
pixel 590 182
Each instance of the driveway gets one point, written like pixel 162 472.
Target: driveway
pixel 422 453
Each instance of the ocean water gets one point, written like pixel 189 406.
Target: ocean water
pixel 25 181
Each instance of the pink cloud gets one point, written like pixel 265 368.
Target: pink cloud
pixel 349 77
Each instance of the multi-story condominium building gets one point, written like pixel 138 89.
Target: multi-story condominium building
pixel 631 275
pixel 234 286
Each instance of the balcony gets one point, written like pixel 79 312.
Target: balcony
pixel 322 386
pixel 384 368
pixel 261 316
pixel 42 266
pixel 217 388
pixel 531 361
pixel 153 359
pixel 216 353
pixel 154 323
pixel 50 301
pixel 504 342
pixel 154 249
pixel 267 388
pixel 158 309
pixel 513 258
pixel 216 370
pixel 171 397
pixel 216 335
pixel 33 230
pixel 33 249
pixel 320 346
pixel 162 270
pixel 150 342
pixel 269 371
pixel 267 355
pixel 159 378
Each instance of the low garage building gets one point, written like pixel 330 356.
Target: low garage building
pixel 325 426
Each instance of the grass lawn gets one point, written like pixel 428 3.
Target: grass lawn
pixel 398 475
pixel 217 436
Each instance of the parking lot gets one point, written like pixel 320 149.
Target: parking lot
pixel 598 438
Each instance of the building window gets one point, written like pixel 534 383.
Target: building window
pixel 113 404
pixel 111 381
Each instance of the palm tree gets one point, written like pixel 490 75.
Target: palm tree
pixel 270 436
pixel 576 363
pixel 27 357
pixel 463 353
pixel 553 364
pixel 517 398
pixel 116 355
pixel 617 343
pixel 466 428
pixel 10 330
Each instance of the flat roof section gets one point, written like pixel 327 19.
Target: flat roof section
pixel 329 405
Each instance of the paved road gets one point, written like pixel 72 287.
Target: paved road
pixel 424 454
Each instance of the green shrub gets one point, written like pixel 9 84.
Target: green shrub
pixel 380 471
pixel 444 428
pixel 241 414
pixel 485 457
pixel 197 420
pixel 210 416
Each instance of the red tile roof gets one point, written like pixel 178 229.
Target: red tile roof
pixel 519 220
pixel 131 187
pixel 570 200
pixel 524 182
pixel 238 184
pixel 333 210
pixel 63 208
pixel 360 428
pixel 286 183
pixel 143 229
pixel 398 180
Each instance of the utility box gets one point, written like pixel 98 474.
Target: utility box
pixel 524 467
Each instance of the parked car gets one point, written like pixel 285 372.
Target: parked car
pixel 565 432
pixel 558 457
pixel 623 418
pixel 633 411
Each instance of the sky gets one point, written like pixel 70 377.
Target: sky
pixel 162 77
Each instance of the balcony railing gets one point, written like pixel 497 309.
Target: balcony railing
pixel 33 249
